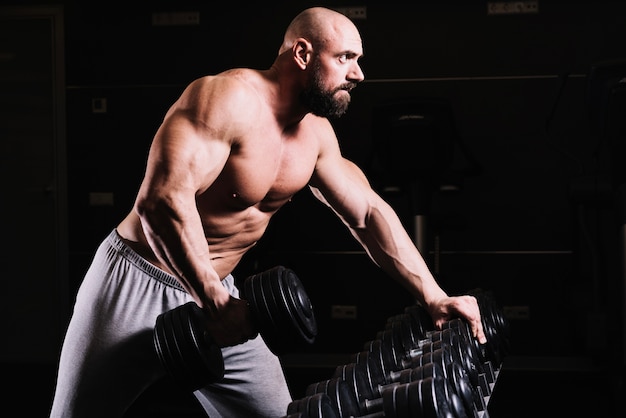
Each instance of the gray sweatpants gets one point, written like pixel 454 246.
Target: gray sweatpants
pixel 108 359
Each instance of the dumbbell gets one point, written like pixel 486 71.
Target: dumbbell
pixel 409 334
pixel 401 350
pixel 282 313
pixel 360 402
pixel 341 395
pixel 378 364
pixel 434 366
pixel 431 397
pixel 495 326
pixel 363 377
pixel 392 355
pixel 401 346
pixel 367 379
pixel 318 405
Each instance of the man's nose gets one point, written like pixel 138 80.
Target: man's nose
pixel 356 74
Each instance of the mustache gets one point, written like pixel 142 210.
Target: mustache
pixel 346 86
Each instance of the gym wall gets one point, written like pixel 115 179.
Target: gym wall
pixel 527 219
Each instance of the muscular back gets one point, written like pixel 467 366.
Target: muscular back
pixel 222 155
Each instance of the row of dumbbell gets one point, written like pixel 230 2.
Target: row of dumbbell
pixel 411 370
pixel 436 373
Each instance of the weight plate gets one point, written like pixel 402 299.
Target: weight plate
pixel 283 311
pixel 160 345
pixel 428 398
pixel 461 385
pixel 320 406
pixel 282 333
pixel 405 400
pixel 173 355
pixel 422 321
pixel 299 301
pixel 271 328
pixel 187 355
pixel 255 294
pixel 210 362
pixel 349 402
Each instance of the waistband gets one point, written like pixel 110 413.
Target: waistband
pixel 116 242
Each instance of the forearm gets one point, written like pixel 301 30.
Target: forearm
pixel 384 238
pixel 176 237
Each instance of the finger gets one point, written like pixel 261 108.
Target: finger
pixel 476 322
pixel 479 333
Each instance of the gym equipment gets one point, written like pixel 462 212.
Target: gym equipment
pixel 439 362
pixel 282 313
pixel 363 377
pixel 341 395
pixel 413 369
pixel 371 370
pixel 431 397
pixel 282 310
pixel 495 326
pixel 445 348
pixel 345 396
pixel 402 352
pixel 411 334
pixel 318 405
pixel 455 334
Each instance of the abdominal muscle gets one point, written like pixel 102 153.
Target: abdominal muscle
pixel 228 241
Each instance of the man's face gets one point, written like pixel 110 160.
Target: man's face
pixel 334 71
pixel 329 102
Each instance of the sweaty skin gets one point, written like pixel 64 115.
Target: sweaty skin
pixel 237 146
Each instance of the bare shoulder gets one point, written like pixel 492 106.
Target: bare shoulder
pixel 323 131
pixel 229 93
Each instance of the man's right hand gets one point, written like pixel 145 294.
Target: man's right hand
pixel 231 324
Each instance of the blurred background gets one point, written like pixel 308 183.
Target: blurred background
pixel 495 129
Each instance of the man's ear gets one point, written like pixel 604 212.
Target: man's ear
pixel 302 52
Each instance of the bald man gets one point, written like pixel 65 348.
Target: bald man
pixel 230 152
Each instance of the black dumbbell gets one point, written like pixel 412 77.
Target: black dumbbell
pixel 461 351
pixel 360 403
pixel 395 355
pixel 282 313
pixel 439 362
pixel 431 397
pixel 471 396
pixel 318 405
pixel 474 349
pixel 495 326
pixel 455 333
pixel 362 377
pixel 341 394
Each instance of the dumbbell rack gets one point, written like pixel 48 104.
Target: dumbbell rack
pixel 485 412
pixel 411 369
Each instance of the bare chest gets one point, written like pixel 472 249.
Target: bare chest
pixel 266 173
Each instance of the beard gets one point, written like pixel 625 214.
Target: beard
pixel 323 102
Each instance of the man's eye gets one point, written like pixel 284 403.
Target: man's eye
pixel 343 58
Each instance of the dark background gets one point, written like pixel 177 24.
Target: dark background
pixel 522 199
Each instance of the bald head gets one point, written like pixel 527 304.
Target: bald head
pixel 318 25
